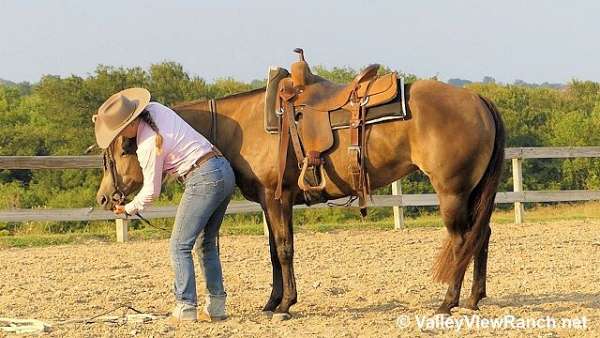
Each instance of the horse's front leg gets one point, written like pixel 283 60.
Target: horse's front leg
pixel 281 240
pixel 271 216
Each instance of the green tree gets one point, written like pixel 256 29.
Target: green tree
pixel 170 84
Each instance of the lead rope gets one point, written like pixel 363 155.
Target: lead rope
pixel 37 327
pixel 148 222
pixel 93 319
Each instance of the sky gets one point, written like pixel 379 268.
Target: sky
pixel 531 40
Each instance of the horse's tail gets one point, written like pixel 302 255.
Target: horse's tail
pixel 481 205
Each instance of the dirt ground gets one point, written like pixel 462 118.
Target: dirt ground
pixel 350 284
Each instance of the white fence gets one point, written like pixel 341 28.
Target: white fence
pixel 397 200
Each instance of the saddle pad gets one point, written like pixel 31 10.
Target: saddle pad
pixel 340 118
pixel 271 95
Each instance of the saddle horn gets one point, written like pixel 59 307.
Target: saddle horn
pixel 300 52
pixel 301 74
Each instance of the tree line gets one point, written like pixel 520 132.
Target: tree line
pixel 52 117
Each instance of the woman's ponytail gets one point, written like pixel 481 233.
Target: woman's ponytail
pixel 145 116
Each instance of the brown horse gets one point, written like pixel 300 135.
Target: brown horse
pixel 453 135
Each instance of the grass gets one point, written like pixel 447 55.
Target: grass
pixel 36 234
pixel 34 240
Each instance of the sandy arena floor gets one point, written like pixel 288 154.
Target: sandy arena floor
pixel 350 283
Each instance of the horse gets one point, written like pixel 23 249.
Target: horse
pixel 453 135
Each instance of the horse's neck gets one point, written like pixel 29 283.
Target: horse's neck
pixel 236 113
pixel 236 106
pixel 233 113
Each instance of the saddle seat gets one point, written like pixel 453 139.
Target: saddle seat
pixel 321 94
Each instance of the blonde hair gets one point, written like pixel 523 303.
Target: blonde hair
pixel 146 117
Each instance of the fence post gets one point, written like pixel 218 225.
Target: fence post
pixel 121 224
pixel 517 170
pixel 265 226
pixel 398 210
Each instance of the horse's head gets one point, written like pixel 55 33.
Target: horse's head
pixel 122 174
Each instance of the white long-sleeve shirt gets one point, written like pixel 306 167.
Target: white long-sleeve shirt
pixel 182 147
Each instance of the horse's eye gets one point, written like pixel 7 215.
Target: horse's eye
pixel 129 146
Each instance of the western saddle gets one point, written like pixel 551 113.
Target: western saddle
pixel 305 101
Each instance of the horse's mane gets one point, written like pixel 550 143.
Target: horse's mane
pixel 185 104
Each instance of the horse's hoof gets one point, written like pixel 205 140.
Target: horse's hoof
pixel 443 311
pixel 280 316
pixel 473 307
pixel 472 303
pixel 268 314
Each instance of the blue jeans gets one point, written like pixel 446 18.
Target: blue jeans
pixel 208 190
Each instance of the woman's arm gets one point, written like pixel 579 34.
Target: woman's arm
pixel 152 169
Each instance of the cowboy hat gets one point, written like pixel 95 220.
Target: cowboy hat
pixel 117 112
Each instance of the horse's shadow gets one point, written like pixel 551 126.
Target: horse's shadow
pixel 357 311
pixel 535 301
pixel 586 300
pixel 378 308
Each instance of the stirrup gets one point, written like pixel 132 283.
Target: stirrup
pixel 307 187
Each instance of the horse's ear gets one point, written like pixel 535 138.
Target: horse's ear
pixel 129 146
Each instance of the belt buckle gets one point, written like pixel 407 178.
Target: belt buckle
pixel 189 171
pixel 212 153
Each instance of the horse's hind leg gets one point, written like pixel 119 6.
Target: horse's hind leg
pixel 454 211
pixel 478 291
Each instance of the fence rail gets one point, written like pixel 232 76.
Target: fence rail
pixel 551 152
pixel 397 200
pixel 240 207
pixel 51 162
pixel 95 161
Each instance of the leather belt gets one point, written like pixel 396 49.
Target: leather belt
pixel 214 152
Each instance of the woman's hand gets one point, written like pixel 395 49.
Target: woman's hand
pixel 119 209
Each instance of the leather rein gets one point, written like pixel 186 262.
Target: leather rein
pixel 109 164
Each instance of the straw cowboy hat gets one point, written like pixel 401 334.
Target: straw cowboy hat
pixel 117 112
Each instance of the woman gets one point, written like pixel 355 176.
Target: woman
pixel 166 143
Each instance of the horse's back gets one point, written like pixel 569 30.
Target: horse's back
pixel 434 96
